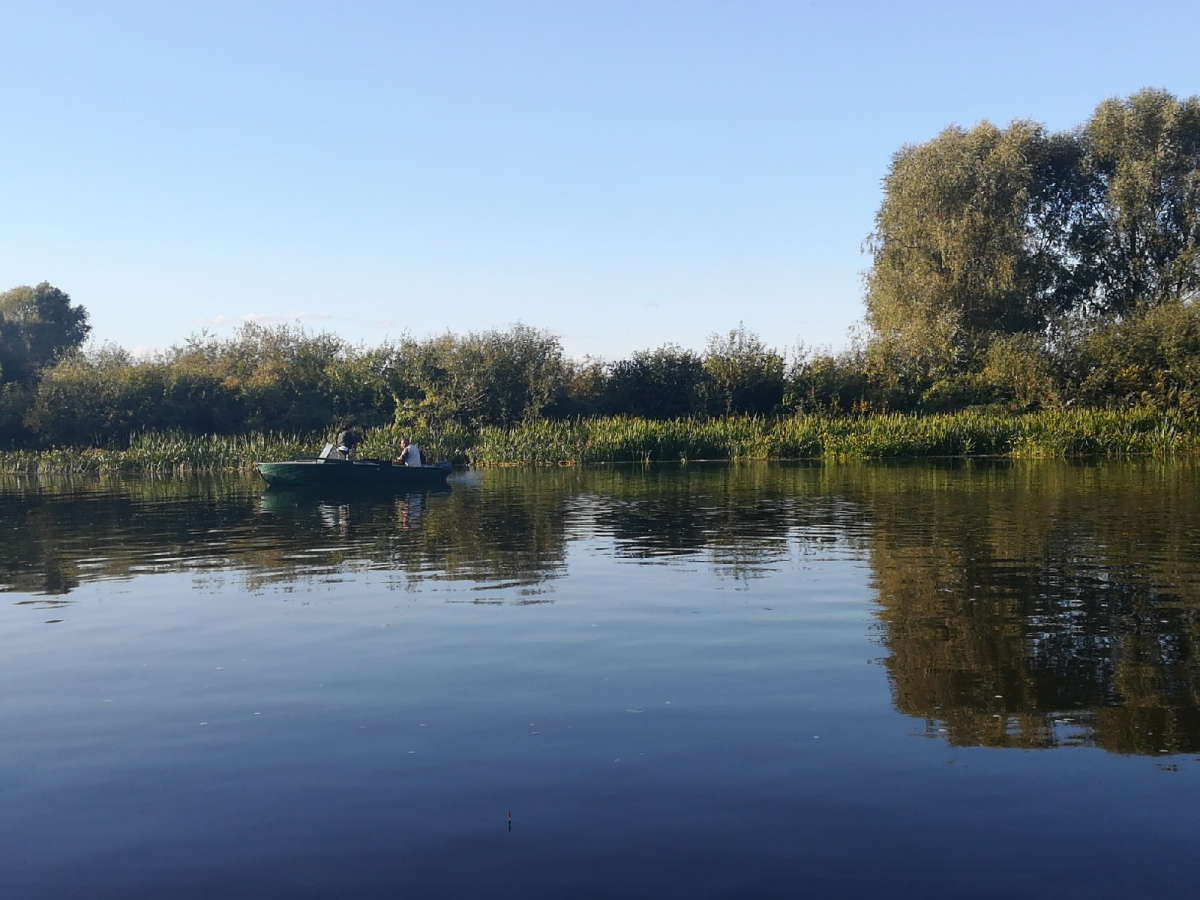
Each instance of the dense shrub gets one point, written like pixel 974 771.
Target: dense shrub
pixel 1150 359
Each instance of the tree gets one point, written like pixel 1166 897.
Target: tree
pixel 987 234
pixel 491 377
pixel 38 326
pixel 1143 154
pixel 96 398
pixel 742 374
pixel 279 374
pixel 585 390
pixel 821 382
pixel 955 259
pixel 1150 359
pixel 657 384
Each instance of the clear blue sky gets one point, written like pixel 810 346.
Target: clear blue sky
pixel 623 174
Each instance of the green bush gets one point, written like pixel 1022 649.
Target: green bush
pixel 1150 360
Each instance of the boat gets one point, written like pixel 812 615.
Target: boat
pixel 331 469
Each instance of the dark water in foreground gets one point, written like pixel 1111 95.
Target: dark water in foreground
pixel 959 681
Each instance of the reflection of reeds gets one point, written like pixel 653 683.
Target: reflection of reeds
pixel 1046 434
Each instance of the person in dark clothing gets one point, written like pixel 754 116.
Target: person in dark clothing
pixel 347 439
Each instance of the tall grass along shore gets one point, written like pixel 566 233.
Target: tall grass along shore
pixel 623 439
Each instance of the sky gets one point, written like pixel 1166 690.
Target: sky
pixel 624 175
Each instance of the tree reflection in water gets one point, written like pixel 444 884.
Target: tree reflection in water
pixel 1026 605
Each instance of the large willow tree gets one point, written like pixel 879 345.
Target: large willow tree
pixel 1142 157
pixel 988 233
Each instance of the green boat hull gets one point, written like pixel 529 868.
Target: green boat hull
pixel 340 473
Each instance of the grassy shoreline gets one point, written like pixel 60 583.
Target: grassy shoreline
pixel 1051 434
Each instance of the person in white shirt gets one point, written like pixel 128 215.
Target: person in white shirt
pixel 410 454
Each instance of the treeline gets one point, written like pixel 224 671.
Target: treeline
pixel 1040 268
pixel 284 379
pixel 1013 269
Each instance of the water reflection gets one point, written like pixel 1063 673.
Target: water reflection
pixel 1020 605
pixel 1042 606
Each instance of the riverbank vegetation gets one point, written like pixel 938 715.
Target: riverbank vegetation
pixel 1047 434
pixel 1030 293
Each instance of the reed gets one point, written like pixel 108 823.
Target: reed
pixel 450 442
pixel 621 439
pixel 885 436
pixel 162 452
pixel 542 442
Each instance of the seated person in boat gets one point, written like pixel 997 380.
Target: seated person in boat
pixel 347 439
pixel 410 454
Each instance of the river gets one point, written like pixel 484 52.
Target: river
pixel 946 680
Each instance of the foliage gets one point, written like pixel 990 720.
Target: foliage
pixel 440 441
pixel 889 435
pixel 744 376
pixel 1143 154
pixel 657 384
pixel 1018 371
pixel 987 234
pixel 15 400
pixel 1050 433
pixel 823 382
pixel 1013 269
pixel 38 325
pixel 488 378
pixel 952 262
pixel 95 399
pixel 261 379
pixel 585 390
pixel 167 451
pixel 279 375
pixel 1150 360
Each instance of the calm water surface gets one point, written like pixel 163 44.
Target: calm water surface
pixel 762 681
